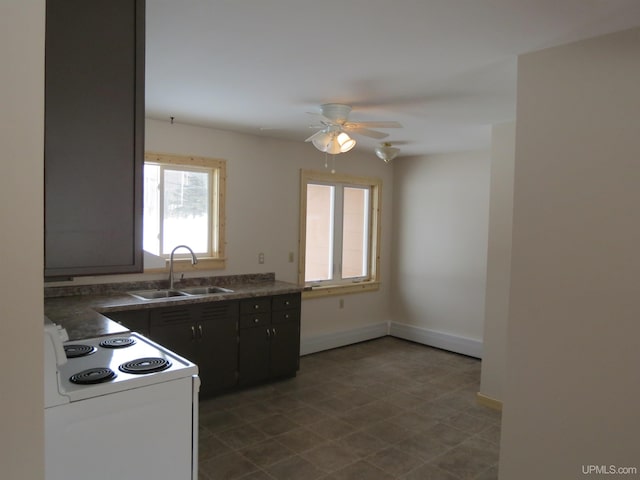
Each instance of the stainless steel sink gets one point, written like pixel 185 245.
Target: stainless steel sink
pixel 154 294
pixel 207 290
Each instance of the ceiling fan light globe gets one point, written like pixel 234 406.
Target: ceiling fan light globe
pixel 348 145
pixel 387 153
pixel 322 142
pixel 346 142
pixel 334 147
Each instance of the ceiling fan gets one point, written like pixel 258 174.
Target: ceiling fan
pixel 333 136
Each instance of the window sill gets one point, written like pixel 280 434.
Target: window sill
pixel 330 290
pixel 184 265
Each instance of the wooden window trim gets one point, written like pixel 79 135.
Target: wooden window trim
pixel 309 176
pixel 217 262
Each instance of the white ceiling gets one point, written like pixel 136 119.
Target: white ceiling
pixel 444 69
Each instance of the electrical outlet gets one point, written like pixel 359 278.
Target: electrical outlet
pixel 261 257
pixel 291 257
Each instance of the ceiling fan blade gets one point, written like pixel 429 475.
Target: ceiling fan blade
pixel 366 132
pixel 374 124
pixel 321 118
pixel 314 135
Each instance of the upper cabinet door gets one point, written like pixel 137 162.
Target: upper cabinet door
pixel 94 136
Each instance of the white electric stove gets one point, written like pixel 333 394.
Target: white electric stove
pixel 118 407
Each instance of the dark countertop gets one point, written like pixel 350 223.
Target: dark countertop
pixel 86 314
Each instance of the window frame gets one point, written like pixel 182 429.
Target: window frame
pixel 216 261
pixel 341 287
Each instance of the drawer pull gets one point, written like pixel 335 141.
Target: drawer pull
pixel 200 330
pixel 268 333
pixel 274 331
pixel 193 332
pixel 287 302
pixel 256 306
pixel 286 315
pixel 256 320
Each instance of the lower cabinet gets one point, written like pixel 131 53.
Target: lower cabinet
pixel 234 343
pixel 134 320
pixel 206 334
pixel 269 338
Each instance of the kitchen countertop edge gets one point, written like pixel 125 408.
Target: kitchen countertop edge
pixel 87 316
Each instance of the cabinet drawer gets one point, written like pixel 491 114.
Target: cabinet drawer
pixel 285 316
pixel 282 302
pixel 255 320
pixel 255 305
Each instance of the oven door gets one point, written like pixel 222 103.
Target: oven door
pixel 195 430
pixel 145 432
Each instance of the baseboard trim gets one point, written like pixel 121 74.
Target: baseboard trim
pixel 318 343
pixel 433 338
pixel 487 401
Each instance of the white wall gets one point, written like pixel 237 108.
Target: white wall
pixel 263 189
pixel 573 371
pixel 262 192
pixel 494 359
pixel 440 211
pixel 21 239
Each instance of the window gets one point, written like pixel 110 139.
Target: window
pixel 339 232
pixel 184 205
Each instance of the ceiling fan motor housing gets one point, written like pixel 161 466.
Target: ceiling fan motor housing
pixel 336 112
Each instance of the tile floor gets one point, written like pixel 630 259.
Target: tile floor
pixel 383 409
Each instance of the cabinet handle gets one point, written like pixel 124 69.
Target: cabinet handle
pixel 274 331
pixel 256 306
pixel 287 302
pixel 193 332
pixel 200 330
pixel 256 320
pixel 286 315
pixel 268 333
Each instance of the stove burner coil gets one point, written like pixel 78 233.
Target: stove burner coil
pixel 74 351
pixel 117 342
pixel 92 376
pixel 145 365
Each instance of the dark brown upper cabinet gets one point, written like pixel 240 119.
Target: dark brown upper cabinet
pixel 94 136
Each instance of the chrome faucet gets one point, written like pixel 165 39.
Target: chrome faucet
pixel 194 260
